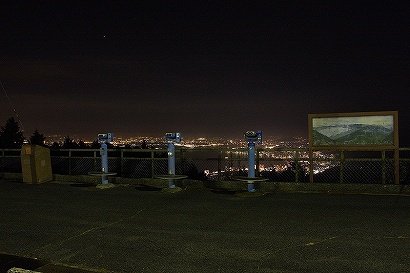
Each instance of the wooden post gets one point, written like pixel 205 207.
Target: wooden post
pixel 396 167
pixel 310 166
pixel 342 161
pixel 383 166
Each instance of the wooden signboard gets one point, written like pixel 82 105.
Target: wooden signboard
pixel 355 131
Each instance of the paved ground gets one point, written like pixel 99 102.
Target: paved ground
pixel 123 229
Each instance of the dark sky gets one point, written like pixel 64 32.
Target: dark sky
pixel 200 67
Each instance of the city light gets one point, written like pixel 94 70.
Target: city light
pixel 276 155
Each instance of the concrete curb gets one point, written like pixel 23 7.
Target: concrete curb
pixel 327 188
pixel 264 186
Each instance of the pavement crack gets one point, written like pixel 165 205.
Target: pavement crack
pixel 322 241
pixel 85 232
pixel 294 246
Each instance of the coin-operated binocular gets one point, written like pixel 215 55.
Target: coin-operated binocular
pixel 173 137
pixel 104 139
pixel 251 137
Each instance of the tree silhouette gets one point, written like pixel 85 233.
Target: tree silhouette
pixel 37 138
pixel 294 169
pixel 95 145
pixel 10 135
pixel 83 145
pixel 69 143
pixel 55 145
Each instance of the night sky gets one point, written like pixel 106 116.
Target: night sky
pixel 199 67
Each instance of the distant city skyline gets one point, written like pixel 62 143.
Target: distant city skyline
pixel 160 139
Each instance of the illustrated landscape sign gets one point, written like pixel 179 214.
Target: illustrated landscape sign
pixel 362 130
pixel 354 131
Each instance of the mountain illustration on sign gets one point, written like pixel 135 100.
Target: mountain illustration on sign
pixel 353 134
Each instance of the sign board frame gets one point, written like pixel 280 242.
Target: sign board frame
pixel 362 130
pixel 354 131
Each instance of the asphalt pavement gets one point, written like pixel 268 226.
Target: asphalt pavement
pixel 62 227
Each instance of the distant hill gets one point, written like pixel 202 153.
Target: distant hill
pixel 322 140
pixel 354 134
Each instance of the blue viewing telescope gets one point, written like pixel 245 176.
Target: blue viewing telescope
pixel 173 137
pixel 252 136
pixel 105 138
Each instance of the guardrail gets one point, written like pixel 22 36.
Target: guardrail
pixel 278 164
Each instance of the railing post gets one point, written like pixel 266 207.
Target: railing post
pixel 297 166
pixel 257 162
pixel 2 161
pixel 231 161
pixel 152 164
pixel 183 161
pixel 310 166
pixel 342 160
pixel 69 162
pixel 396 166
pixel 95 160
pixel 219 164
pixel 383 166
pixel 122 163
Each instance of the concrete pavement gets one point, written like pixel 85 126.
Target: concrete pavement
pixel 128 229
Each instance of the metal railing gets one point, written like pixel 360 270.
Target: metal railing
pixel 278 164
